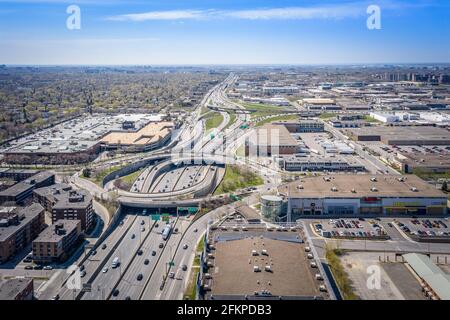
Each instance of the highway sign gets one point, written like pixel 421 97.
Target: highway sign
pixel 156 217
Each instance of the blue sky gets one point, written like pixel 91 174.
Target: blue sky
pixel 223 32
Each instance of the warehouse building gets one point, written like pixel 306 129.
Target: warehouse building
pixel 355 194
pixel 410 135
pixel 435 282
pixel 433 163
pixel 271 140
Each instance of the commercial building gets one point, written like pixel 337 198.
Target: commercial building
pixel 301 126
pixel 65 203
pixel 364 195
pixel 17 174
pixel 16 289
pixel 411 135
pixel 271 140
pixel 265 266
pixel 272 207
pixel 248 213
pixel 80 140
pixel 150 137
pixel 18 227
pixel 314 163
pixel 20 192
pixel 56 242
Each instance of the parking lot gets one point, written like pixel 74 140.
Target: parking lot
pixel 431 229
pixel 355 228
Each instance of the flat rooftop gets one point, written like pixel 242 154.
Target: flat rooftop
pixel 29 213
pixel 233 272
pixel 65 196
pixel 26 184
pixel 151 133
pixel 49 234
pixel 407 133
pixel 268 135
pixel 78 134
pixel 387 186
pixel 10 288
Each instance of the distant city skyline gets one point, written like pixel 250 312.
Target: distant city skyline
pixel 198 32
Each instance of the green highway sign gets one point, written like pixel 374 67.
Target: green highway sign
pixel 156 217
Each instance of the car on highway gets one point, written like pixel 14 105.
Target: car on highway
pixel 142 229
pixel 48 268
pixel 185 246
pixel 94 252
pixel 139 277
pixel 184 267
pixel 105 270
pixel 146 261
pixel 83 273
pixel 140 252
pixel 153 253
pixel 55 297
pixel 82 267
pixel 115 293
pixel 38 267
pixel 161 245
pixel 390 225
pixel 121 223
pixel 28 267
pixel 195 230
pixel 172 275
pixel 133 236
pixel 104 246
pixel 27 260
pixel 142 222
pixel 127 298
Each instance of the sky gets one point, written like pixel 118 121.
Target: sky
pixel 177 32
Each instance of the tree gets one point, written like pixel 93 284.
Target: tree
pixel 87 172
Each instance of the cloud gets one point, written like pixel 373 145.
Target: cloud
pixel 163 15
pixel 287 13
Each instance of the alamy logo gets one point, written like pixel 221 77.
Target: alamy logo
pixel 74 281
pixel 374 279
pixel 374 19
pixel 74 20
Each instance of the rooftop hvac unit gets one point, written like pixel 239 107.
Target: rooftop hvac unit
pixel 334 189
pixel 264 252
pixel 209 264
pixel 254 253
pixel 353 190
pixel 256 269
pixel 310 256
pixel 373 179
pixel 207 276
pixel 210 256
pixel 322 288
pixel 414 189
pixel 268 268
pixel 373 189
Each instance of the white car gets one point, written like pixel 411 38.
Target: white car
pixel 105 270
pixel 48 268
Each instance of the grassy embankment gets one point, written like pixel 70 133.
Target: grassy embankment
pixel 213 120
pixel 277 118
pixel 237 177
pixel 340 276
pixel 191 289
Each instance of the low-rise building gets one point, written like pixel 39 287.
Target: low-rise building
pixel 312 163
pixel 354 194
pixel 56 242
pixel 65 203
pixel 18 228
pixel 301 126
pixel 23 190
pixel 17 289
pixel 271 140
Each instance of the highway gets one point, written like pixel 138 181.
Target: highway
pixel 103 284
